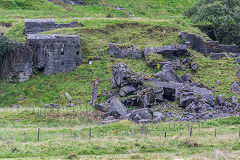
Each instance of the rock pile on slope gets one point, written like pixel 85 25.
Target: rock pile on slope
pixel 167 96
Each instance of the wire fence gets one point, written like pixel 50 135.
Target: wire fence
pixel 38 135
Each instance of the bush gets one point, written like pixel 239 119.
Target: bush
pixel 223 15
pixel 6 46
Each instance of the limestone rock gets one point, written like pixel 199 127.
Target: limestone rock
pixel 168 75
pixel 217 56
pixel 117 109
pixel 124 51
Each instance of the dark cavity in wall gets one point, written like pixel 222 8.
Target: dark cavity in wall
pixel 209 30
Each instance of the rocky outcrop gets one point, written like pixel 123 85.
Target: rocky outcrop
pixel 124 51
pixel 153 98
pixel 33 26
pixel 206 46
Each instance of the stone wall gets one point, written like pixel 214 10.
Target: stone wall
pixel 55 53
pixel 206 46
pixel 18 64
pixel 33 26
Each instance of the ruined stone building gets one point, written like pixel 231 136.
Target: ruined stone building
pixel 41 52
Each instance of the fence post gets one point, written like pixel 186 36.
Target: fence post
pixel 38 136
pixel 215 133
pixel 142 129
pixel 239 133
pixel 191 131
pixel 25 137
pixel 90 132
pixel 165 134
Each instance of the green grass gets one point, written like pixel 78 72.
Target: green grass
pixel 69 137
pixel 102 25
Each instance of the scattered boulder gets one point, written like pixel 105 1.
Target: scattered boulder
pixel 220 101
pixel 103 107
pixel 124 51
pixel 194 66
pixel 117 109
pixel 52 105
pixel 124 76
pixel 71 105
pixel 217 56
pixel 236 87
pixel 186 78
pixel 17 106
pixel 126 90
pixel 140 114
pixel 172 51
pixel 187 98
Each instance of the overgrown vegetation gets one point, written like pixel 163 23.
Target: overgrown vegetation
pixel 223 15
pixel 6 46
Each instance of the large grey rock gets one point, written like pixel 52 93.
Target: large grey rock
pixel 124 76
pixel 217 56
pixel 117 109
pixel 126 90
pixel 122 51
pixel 170 90
pixel 205 94
pixel 177 50
pixel 140 114
pixel 220 100
pixel 168 75
pixel 187 98
pixel 103 107
pixel 236 87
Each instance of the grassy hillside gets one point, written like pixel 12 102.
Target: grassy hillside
pixel 64 133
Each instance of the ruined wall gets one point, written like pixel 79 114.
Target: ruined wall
pixel 33 26
pixel 55 53
pixel 206 46
pixel 18 64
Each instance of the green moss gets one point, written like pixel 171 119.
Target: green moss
pixel 153 59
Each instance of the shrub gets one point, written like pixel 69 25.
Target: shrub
pixel 223 15
pixel 6 46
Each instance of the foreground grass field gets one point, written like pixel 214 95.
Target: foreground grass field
pixel 73 134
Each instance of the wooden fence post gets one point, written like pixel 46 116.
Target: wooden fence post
pixel 38 136
pixel 191 131
pixel 90 132
pixel 215 133
pixel 25 137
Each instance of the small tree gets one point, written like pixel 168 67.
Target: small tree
pixel 223 15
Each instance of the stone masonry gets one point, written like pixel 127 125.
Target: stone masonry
pixel 55 53
pixel 33 26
